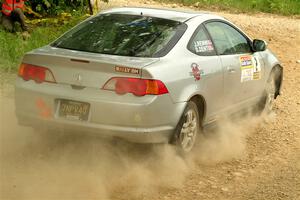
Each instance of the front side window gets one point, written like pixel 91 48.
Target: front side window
pixel 125 35
pixel 201 44
pixel 227 39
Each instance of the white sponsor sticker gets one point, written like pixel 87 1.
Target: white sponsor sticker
pixel 247 75
pixel 203 46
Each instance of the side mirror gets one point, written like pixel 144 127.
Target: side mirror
pixel 259 45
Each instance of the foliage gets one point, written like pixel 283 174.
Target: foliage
pixel 13 47
pixel 284 7
pixel 54 7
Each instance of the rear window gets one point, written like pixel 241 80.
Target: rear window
pixel 125 35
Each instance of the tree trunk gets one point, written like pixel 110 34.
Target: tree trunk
pixel 90 7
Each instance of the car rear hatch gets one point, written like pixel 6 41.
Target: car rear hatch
pixel 85 69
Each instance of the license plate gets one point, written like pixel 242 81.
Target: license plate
pixel 74 110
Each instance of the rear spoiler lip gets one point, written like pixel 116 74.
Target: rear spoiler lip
pixel 87 57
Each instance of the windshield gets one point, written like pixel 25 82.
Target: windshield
pixel 125 35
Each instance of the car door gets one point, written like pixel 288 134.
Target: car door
pixel 242 67
pixel 211 72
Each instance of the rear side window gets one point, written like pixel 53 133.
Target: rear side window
pixel 201 44
pixel 227 39
pixel 125 35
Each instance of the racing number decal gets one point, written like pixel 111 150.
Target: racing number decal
pixel 256 69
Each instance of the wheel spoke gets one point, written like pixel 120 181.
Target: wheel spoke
pixel 185 142
pixel 185 125
pixel 191 133
pixel 193 124
pixel 184 130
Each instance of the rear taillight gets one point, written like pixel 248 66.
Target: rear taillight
pixel 136 86
pixel 36 73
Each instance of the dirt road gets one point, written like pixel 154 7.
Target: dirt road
pixel 255 159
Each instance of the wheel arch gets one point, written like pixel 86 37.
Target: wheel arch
pixel 201 105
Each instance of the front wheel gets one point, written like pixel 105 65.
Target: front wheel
pixel 270 91
pixel 266 103
pixel 187 129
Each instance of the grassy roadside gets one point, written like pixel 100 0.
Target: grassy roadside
pixel 13 46
pixel 282 7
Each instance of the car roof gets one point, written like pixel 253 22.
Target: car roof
pixel 172 14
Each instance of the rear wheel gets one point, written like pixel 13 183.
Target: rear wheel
pixel 188 128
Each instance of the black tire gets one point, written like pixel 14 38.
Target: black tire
pixel 187 129
pixel 265 105
pixel 270 94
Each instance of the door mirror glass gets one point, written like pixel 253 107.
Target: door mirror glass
pixel 259 45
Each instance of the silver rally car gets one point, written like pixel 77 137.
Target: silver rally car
pixel 146 75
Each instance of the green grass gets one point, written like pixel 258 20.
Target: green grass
pixel 282 7
pixel 13 46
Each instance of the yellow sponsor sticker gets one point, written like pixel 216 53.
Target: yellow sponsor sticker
pixel 246 68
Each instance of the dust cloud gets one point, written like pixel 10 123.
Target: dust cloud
pixel 58 165
pixel 228 140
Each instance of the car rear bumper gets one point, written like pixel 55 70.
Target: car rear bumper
pixel 139 135
pixel 148 119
